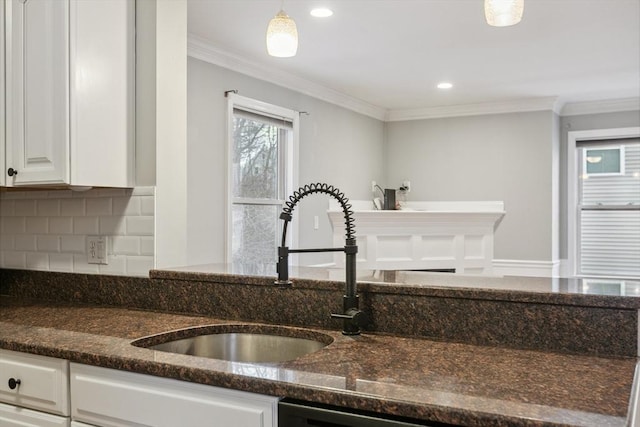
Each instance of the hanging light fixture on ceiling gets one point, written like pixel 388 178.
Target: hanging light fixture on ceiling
pixel 594 159
pixel 282 36
pixel 502 13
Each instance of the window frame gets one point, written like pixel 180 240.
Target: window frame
pixel 289 159
pixel 574 138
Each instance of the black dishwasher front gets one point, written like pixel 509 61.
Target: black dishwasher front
pixel 303 414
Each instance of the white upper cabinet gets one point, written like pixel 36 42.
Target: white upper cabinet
pixel 70 92
pixel 38 88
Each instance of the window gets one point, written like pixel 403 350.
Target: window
pixel 605 194
pixel 610 287
pixel 603 161
pixel 608 196
pixel 262 148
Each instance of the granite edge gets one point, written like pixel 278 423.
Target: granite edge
pixel 602 301
pixel 309 393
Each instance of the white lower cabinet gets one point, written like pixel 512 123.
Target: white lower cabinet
pixel 111 398
pixel 34 389
pixel 38 391
pixel 15 416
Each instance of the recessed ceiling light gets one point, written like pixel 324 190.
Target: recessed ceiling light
pixel 445 85
pixel 321 12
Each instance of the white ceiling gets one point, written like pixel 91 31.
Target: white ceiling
pixel 392 53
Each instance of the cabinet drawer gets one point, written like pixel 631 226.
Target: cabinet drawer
pixel 11 416
pixel 112 398
pixel 44 382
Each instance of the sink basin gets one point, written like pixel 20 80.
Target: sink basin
pixel 239 343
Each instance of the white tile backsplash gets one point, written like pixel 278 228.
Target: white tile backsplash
pixel 48 243
pixel 7 243
pixel 143 191
pixel 61 225
pixel 126 245
pixel 72 207
pixel 6 207
pixel 37 225
pixel 47 230
pixel 117 265
pixel 147 205
pixel 14 259
pixel 48 207
pixel 99 206
pixel 140 225
pixel 147 246
pixel 61 262
pixel 13 224
pixel 24 208
pixel 139 264
pixel 25 242
pixel 86 225
pixel 80 265
pixel 128 206
pixel 14 195
pixel 37 261
pixel 73 244
pixel 112 225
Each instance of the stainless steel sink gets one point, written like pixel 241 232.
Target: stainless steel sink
pixel 239 343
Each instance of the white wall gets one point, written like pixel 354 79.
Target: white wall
pixel 337 146
pixel 507 157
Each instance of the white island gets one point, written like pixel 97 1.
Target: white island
pixel 455 236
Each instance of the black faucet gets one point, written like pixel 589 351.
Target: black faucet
pixel 353 317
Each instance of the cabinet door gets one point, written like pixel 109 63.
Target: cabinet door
pixel 13 416
pixel 102 103
pixel 43 382
pixel 111 398
pixel 38 91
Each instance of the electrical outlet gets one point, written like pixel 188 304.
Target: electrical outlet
pixel 97 250
pixel 407 185
pixel 373 186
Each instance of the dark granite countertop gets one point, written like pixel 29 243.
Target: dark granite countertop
pixel 601 292
pixel 446 382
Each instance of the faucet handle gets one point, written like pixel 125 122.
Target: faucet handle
pixel 282 267
pixel 354 319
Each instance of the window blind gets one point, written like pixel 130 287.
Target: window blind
pixel 281 122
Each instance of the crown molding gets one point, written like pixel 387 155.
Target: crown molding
pixel 599 107
pixel 517 106
pixel 200 49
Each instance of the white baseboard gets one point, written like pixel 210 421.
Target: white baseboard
pixel 514 267
pixel 566 269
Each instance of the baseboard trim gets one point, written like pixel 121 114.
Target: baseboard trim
pixel 534 268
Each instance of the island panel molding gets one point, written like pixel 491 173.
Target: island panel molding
pixel 455 236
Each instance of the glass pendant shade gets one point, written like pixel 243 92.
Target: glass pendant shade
pixel 503 13
pixel 282 36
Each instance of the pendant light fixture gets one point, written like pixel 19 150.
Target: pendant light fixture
pixel 503 13
pixel 282 36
